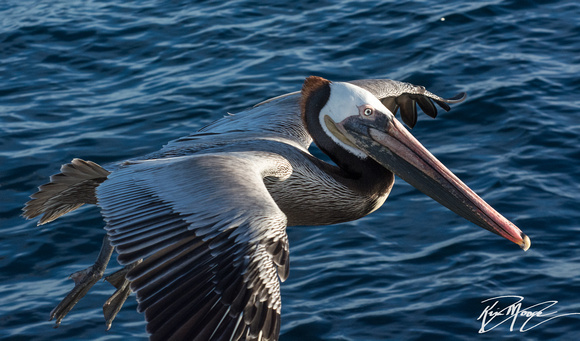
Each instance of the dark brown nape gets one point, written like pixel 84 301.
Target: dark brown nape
pixel 315 91
pixel 361 175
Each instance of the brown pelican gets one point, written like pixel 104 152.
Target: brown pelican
pixel 201 224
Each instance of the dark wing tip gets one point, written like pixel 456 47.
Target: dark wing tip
pixel 427 106
pixel 408 102
pixel 397 95
pixel 442 102
pixel 408 107
pixel 460 97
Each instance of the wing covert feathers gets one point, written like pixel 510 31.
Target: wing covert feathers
pixel 214 244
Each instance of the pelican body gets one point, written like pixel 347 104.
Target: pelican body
pixel 200 225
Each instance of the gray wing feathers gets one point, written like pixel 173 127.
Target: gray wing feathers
pixel 406 96
pixel 212 239
pixel 294 93
pixel 383 88
pixel 276 118
pixel 71 188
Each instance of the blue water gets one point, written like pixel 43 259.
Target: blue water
pixel 110 80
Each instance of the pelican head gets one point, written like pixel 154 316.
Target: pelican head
pixel 353 125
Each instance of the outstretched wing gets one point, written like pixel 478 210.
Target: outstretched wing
pixel 212 238
pixel 406 96
pixel 280 117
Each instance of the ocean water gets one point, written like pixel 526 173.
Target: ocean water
pixel 110 80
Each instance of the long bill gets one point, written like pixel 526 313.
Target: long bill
pixel 396 149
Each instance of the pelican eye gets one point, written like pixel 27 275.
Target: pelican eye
pixel 368 112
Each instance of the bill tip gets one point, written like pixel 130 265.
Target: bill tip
pixel 526 242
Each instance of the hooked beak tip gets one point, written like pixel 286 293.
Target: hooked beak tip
pixel 526 242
